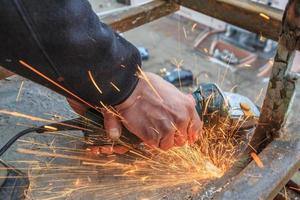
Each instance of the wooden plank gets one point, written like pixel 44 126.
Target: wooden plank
pixel 140 15
pixel 281 160
pixel 248 15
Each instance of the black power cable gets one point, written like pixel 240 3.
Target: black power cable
pixel 15 138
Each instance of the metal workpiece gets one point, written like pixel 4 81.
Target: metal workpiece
pixel 281 160
pixel 281 87
pixel 278 98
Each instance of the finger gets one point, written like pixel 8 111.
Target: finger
pixel 108 149
pixel 77 107
pixel 167 142
pixel 112 125
pixel 180 136
pixel 194 128
pixel 118 149
pixel 179 140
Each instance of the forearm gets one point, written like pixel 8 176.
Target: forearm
pixel 65 41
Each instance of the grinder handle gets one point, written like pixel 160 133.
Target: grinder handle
pixel 97 117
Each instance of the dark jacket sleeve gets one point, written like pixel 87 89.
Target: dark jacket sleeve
pixel 64 40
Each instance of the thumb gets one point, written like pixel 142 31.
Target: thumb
pixel 112 125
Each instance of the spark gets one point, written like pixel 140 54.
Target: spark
pixel 184 32
pixel 264 16
pixel 155 130
pixel 112 84
pixel 33 118
pixel 194 26
pixel 205 50
pixel 20 90
pixel 144 76
pixel 262 38
pixel 94 82
pixel 209 159
pixel 259 95
pixel 164 169
pixel 54 83
pixel 56 155
pixel 257 160
pixel 77 182
pixel 113 111
pixel 178 66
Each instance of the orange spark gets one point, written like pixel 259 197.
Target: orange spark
pixel 264 16
pixel 94 82
pixel 54 83
pixel 143 75
pixel 112 111
pixel 257 160
pixel 77 182
pixel 194 26
pixel 112 84
pixel 32 118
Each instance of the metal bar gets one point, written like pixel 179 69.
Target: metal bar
pixel 251 16
pixel 137 16
pixel 281 160
pixel 280 90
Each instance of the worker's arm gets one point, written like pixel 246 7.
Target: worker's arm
pixel 65 41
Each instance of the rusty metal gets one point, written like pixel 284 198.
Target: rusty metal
pixel 280 90
pixel 281 160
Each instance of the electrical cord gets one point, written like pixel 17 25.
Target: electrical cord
pixel 41 129
pixel 15 138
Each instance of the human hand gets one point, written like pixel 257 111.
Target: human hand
pixel 157 112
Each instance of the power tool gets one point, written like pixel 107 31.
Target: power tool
pixel 212 104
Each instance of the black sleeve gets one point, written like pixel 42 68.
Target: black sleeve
pixel 64 40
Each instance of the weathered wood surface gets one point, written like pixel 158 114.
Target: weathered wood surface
pixel 140 15
pixel 242 13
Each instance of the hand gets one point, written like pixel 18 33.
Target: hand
pixel 156 112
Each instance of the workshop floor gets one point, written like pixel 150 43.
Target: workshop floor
pixel 169 40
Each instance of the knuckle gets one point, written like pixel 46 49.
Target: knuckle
pixel 152 137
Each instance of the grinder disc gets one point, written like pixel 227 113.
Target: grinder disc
pixel 3 173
